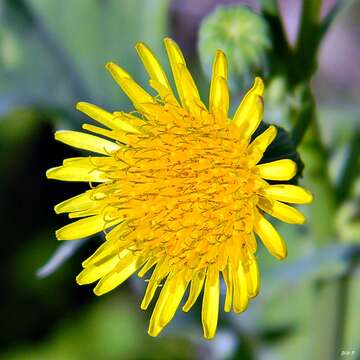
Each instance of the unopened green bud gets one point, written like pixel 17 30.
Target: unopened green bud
pixel 242 35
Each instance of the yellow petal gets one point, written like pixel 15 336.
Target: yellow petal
pixel 86 162
pixel 84 227
pixel 117 276
pixel 135 92
pixel 105 118
pixel 289 193
pixel 251 242
pixel 76 172
pixel 227 274
pixel 127 118
pixel 270 237
pixel 76 203
pixel 210 305
pixel 100 131
pixel 197 284
pixel 250 111
pixel 154 69
pixel 160 271
pixel 261 143
pixel 176 291
pixel 176 58
pixel 219 96
pixel 104 250
pixel 220 65
pixel 98 163
pixel 284 169
pixel 84 213
pixel 97 270
pixel 149 264
pixel 191 97
pixel 282 211
pixel 252 277
pixel 241 298
pixel 166 94
pixel 167 304
pixel 86 142
pixel 219 92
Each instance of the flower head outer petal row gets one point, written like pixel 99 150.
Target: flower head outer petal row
pixel 146 216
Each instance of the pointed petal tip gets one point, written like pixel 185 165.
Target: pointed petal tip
pixel 141 48
pixel 57 209
pixel 66 233
pixel 273 129
pixel 143 306
pixel 82 105
pixel 48 174
pixel 139 44
pixel 258 86
pixel 58 134
pixel 239 311
pixel 281 256
pixel 208 335
pixel 302 221
pixel 310 197
pixel 168 40
pixel 116 70
pixel 59 235
pixel 79 279
pixel 97 290
pixel 254 294
pixel 109 65
pixel 154 330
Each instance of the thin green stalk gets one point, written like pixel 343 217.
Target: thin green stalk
pixel 304 63
pixel 280 46
pixel 326 312
pixel 330 307
pixel 305 117
pixel 331 296
pixel 350 169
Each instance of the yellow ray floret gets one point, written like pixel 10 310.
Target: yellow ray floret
pixel 179 190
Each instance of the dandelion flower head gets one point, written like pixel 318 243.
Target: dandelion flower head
pixel 178 190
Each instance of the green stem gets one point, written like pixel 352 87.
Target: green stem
pixel 330 306
pixel 326 311
pixel 305 116
pixel 324 206
pixel 304 62
pixel 350 169
pixel 280 46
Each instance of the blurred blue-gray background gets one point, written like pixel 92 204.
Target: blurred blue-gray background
pixel 52 54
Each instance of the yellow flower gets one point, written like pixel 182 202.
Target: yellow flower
pixel 179 189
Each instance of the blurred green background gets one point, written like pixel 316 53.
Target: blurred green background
pixel 52 54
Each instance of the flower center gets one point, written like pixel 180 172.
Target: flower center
pixel 186 189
